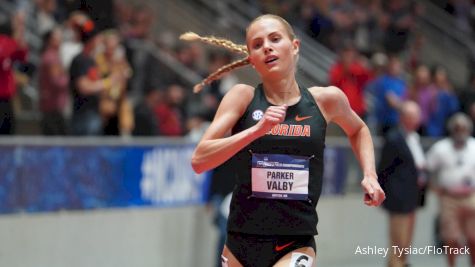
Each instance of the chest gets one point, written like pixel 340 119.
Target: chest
pixel 301 133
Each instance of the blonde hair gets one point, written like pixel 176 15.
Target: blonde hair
pixel 288 28
pixel 236 48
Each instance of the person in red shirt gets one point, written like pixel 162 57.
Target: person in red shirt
pixel 351 76
pixel 12 48
pixel 168 112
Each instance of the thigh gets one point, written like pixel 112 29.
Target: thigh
pixel 301 257
pixel 450 226
pixel 469 218
pixel 228 258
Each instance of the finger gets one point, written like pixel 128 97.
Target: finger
pixel 277 116
pixel 375 196
pixel 378 197
pixel 279 111
pixel 382 197
pixel 368 199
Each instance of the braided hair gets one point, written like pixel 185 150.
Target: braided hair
pixel 236 48
pixel 241 49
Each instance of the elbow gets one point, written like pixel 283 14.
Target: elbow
pixel 197 165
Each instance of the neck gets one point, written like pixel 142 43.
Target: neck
pixel 283 91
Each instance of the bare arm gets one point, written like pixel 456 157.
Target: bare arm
pixel 336 108
pixel 214 148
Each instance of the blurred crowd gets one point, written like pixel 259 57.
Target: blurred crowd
pixel 379 65
pixel 94 76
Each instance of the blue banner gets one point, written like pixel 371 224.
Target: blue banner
pixel 36 178
pixel 50 178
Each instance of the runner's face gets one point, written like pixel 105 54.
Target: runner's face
pixel 271 50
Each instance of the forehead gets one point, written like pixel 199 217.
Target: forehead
pixel 263 27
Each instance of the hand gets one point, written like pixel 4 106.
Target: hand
pixel 374 195
pixel 273 116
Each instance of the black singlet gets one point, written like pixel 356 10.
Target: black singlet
pixel 302 134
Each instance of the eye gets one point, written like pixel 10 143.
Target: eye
pixel 256 45
pixel 275 39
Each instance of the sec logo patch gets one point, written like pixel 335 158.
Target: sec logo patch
pixel 257 114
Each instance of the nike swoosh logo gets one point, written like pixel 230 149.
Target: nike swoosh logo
pixel 279 248
pixel 297 118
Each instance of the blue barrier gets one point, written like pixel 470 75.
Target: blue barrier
pixel 50 178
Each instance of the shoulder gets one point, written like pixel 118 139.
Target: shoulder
pixel 240 92
pixel 440 147
pixel 471 142
pixel 238 97
pixel 331 100
pixel 327 95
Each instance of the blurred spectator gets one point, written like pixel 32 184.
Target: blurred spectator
pixel 12 49
pixel 46 20
pixel 445 105
pixel 423 92
pixel 64 9
pixel 101 12
pixel 212 94
pixel 415 50
pixel 388 96
pixel 188 54
pixel 140 23
pixel 379 63
pixel 400 170
pixel 196 125
pixel 463 11
pixel 321 26
pixel 146 122
pixel 452 165
pixel 87 84
pixel 53 85
pixel 114 106
pixel 148 71
pixel 467 99
pixel 351 76
pixel 342 13
pixel 398 23
pixel 368 34
pixel 170 111
pixel 72 45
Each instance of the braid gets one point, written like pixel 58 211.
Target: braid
pixel 191 36
pixel 242 49
pixel 217 74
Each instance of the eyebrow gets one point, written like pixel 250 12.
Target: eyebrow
pixel 257 38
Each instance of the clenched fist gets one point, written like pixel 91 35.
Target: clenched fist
pixel 273 116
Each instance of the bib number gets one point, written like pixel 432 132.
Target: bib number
pixel 278 176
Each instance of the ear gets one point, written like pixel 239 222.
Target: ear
pixel 296 46
pixel 250 61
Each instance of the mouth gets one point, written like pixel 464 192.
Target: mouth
pixel 270 59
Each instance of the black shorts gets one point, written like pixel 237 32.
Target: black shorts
pixel 264 250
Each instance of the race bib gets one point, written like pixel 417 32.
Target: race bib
pixel 279 176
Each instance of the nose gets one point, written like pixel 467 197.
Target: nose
pixel 267 47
